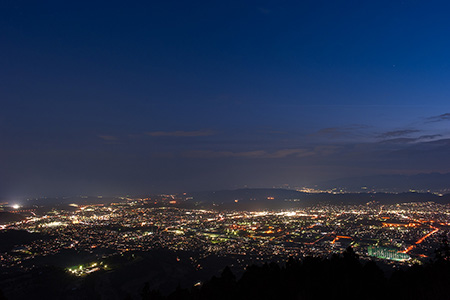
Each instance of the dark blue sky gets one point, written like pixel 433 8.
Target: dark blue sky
pixel 111 97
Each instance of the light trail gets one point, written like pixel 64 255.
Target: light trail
pixel 340 237
pixel 427 235
pixel 312 243
pixel 419 241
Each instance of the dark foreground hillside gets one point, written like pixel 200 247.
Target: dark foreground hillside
pixel 339 277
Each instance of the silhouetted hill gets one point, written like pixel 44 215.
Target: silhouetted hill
pixel 249 196
pixel 338 277
pixel 11 238
pixel 7 217
pixel 284 199
pixel 391 183
pixel 80 200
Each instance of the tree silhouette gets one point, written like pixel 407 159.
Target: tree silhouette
pixel 180 294
pixel 148 294
pixel 443 252
pixel 338 277
pixel 2 297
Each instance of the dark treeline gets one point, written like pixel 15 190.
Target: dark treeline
pixel 338 277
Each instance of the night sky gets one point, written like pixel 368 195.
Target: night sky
pixel 119 97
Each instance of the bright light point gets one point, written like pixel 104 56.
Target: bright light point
pixel 16 206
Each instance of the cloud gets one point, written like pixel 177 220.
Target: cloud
pixel 404 140
pixel 108 138
pixel 397 133
pixel 181 133
pixel 250 154
pixel 443 117
pixel 399 141
pixel 336 132
pixel 330 131
pixel 290 152
pixel 325 150
pixel 429 137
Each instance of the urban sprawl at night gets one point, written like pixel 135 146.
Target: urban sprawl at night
pixel 413 230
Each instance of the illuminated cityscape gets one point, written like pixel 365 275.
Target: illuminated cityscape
pixel 413 229
pixel 86 239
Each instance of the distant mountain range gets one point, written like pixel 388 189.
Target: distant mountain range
pixel 434 182
pixel 358 190
pixel 282 199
